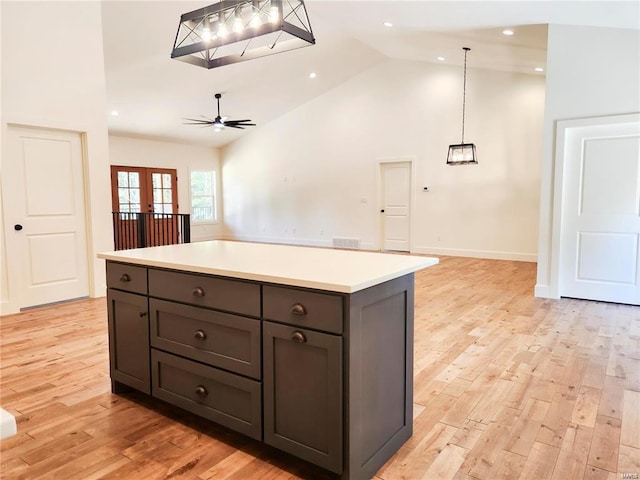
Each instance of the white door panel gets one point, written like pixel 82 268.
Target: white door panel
pixel 396 205
pixel 46 197
pixel 601 214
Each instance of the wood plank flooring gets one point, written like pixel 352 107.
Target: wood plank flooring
pixel 507 386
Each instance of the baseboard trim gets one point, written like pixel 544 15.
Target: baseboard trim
pixel 303 242
pixel 543 291
pixel 205 238
pixel 518 257
pixel 8 308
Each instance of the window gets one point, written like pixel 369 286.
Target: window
pixel 128 191
pixel 162 192
pixel 203 196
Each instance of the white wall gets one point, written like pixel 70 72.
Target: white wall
pixel 53 77
pixel 151 153
pixel 303 178
pixel 591 72
pixel 4 279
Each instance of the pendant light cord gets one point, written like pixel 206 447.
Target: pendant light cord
pixel 464 89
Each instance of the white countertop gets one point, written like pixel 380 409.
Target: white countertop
pixel 321 268
pixel 7 424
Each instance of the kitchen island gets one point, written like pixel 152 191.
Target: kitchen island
pixel 309 350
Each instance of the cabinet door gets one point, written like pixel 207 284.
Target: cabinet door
pixel 303 393
pixel 129 339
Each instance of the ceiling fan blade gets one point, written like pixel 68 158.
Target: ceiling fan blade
pixel 233 126
pixel 197 121
pixel 240 122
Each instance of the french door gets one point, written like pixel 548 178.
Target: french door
pixel 139 190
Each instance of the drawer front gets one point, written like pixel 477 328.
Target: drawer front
pixel 222 397
pixel 303 308
pixel 129 339
pixel 127 277
pixel 206 291
pixel 220 339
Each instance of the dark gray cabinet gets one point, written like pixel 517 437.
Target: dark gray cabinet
pixel 303 393
pixel 129 340
pixel 225 398
pixel 222 340
pixel 325 376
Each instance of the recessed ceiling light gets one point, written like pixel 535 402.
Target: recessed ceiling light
pixel 507 32
pixel 388 24
pixel 539 69
pixel 114 113
pixel 312 75
pixel 441 59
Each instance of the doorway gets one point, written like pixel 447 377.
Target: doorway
pixel 140 190
pixel 395 195
pixel 599 174
pixel 45 219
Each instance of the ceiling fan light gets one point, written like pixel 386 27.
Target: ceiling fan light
pixel 220 122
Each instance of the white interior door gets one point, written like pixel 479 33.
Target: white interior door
pixel 600 250
pixel 396 205
pixel 45 216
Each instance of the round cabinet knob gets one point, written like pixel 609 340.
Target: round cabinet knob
pixel 17 227
pixel 298 309
pixel 201 391
pixel 298 337
pixel 197 292
pixel 200 335
pixel 125 278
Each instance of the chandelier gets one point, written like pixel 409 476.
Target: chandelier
pixel 232 31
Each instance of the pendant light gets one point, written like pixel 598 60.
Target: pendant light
pixel 463 153
pixel 232 31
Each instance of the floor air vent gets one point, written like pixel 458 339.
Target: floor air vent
pixel 346 242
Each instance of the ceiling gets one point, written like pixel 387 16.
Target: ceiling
pixel 153 93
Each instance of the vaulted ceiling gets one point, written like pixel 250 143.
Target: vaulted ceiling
pixel 153 93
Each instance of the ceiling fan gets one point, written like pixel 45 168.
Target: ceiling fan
pixel 219 122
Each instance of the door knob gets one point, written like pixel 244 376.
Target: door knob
pixel 17 227
pixel 382 211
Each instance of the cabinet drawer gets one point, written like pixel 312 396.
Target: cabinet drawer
pixel 227 399
pixel 219 339
pixel 206 291
pixel 127 277
pixel 303 308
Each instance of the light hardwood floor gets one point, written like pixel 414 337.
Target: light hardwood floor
pixel 506 386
